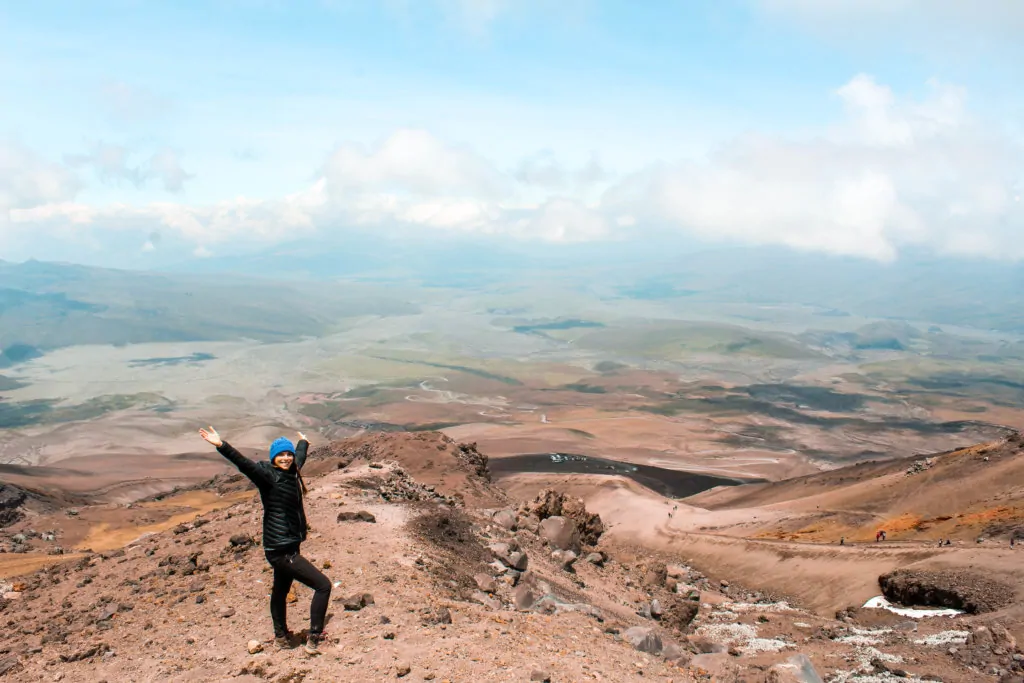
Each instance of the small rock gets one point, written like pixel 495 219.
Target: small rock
pixel 402 669
pixel 254 646
pixel 540 676
pixel 486 600
pixel 227 613
pixel 656 610
pixel 241 540
pixel 596 559
pixel 361 516
pixel 355 603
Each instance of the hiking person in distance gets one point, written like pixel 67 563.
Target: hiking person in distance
pixel 281 488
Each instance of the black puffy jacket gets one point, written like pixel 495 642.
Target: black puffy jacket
pixel 284 519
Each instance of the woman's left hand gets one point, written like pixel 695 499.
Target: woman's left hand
pixel 302 437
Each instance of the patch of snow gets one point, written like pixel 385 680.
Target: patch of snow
pixel 861 677
pixel 870 631
pixel 765 645
pixel 722 616
pixel 881 603
pixel 858 640
pixel 761 607
pixel 800 624
pixel 863 636
pixel 944 638
pixel 727 634
pixel 865 655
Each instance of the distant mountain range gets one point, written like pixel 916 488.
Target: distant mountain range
pixel 305 289
pixel 50 305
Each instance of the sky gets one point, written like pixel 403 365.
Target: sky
pixel 141 132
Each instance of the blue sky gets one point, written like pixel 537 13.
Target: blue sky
pixel 848 127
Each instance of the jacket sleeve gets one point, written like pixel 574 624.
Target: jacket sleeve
pixel 300 453
pixel 246 466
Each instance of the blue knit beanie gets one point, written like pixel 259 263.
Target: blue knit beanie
pixel 280 446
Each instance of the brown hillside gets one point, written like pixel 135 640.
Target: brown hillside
pixel 183 603
pixel 963 494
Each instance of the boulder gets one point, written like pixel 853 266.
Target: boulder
pixel 679 613
pixel 506 519
pixel 644 639
pixel 564 559
pixel 560 533
pixel 486 583
pixel 518 561
pixel 529 523
pixel 510 555
pixel 524 597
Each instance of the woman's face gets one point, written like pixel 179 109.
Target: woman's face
pixel 284 460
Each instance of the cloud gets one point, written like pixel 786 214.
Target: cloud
pixel 892 173
pixel 941 27
pixel 166 166
pixel 111 163
pixel 543 170
pixel 411 162
pixel 27 180
pixel 131 103
pixel 889 173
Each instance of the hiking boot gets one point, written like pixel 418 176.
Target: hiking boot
pixel 313 643
pixel 283 642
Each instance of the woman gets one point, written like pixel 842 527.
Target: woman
pixel 284 528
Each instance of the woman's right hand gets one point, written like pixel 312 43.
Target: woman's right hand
pixel 212 436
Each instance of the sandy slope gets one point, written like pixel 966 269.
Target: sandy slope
pixel 138 615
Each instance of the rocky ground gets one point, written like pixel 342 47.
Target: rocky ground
pixel 429 589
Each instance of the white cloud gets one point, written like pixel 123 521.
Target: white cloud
pixel 893 173
pixel 28 180
pixel 166 166
pixel 411 162
pixel 111 163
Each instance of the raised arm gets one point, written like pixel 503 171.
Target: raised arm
pixel 246 466
pixel 301 450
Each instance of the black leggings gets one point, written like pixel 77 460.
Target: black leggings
pixel 289 566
